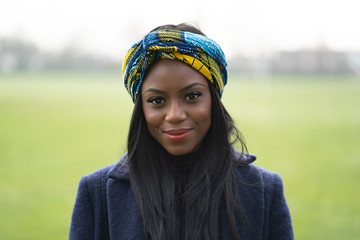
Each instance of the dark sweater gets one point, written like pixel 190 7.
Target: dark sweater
pixel 106 208
pixel 180 167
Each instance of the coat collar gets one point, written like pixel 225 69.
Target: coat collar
pixel 120 170
pixel 246 158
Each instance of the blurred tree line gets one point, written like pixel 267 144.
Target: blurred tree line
pixel 17 54
pixel 20 55
pixel 319 60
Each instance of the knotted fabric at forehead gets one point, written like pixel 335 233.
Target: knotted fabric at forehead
pixel 198 51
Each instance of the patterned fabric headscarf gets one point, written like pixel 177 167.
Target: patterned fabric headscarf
pixel 198 51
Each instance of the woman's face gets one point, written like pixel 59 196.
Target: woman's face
pixel 177 106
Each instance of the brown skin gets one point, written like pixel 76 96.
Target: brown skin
pixel 177 106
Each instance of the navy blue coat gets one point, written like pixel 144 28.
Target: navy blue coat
pixel 106 208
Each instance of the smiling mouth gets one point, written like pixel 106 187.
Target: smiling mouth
pixel 178 135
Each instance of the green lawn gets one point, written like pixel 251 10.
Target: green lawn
pixel 54 128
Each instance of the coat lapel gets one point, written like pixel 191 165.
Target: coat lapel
pixel 123 213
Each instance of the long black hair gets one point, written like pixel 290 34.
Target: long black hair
pixel 211 187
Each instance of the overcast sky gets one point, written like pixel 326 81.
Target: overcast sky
pixel 250 27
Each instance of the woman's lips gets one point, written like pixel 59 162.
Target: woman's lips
pixel 177 135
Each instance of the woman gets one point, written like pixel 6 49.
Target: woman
pixel 181 178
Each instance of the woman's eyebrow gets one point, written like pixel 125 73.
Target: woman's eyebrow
pixel 153 90
pixel 183 89
pixel 192 85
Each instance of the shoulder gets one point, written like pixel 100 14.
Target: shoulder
pixel 89 211
pixel 99 178
pixel 92 188
pixel 258 175
pixel 263 198
pixel 96 179
pixel 250 175
pixel 100 173
pixel 256 182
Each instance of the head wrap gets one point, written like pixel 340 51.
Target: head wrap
pixel 198 51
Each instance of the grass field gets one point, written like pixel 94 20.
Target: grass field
pixel 54 128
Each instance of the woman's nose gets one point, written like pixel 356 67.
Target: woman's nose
pixel 175 113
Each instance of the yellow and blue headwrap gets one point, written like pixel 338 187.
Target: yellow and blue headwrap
pixel 198 51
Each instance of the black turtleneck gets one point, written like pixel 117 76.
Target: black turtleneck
pixel 180 166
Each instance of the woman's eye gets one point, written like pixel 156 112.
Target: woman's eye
pixel 156 101
pixel 192 96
